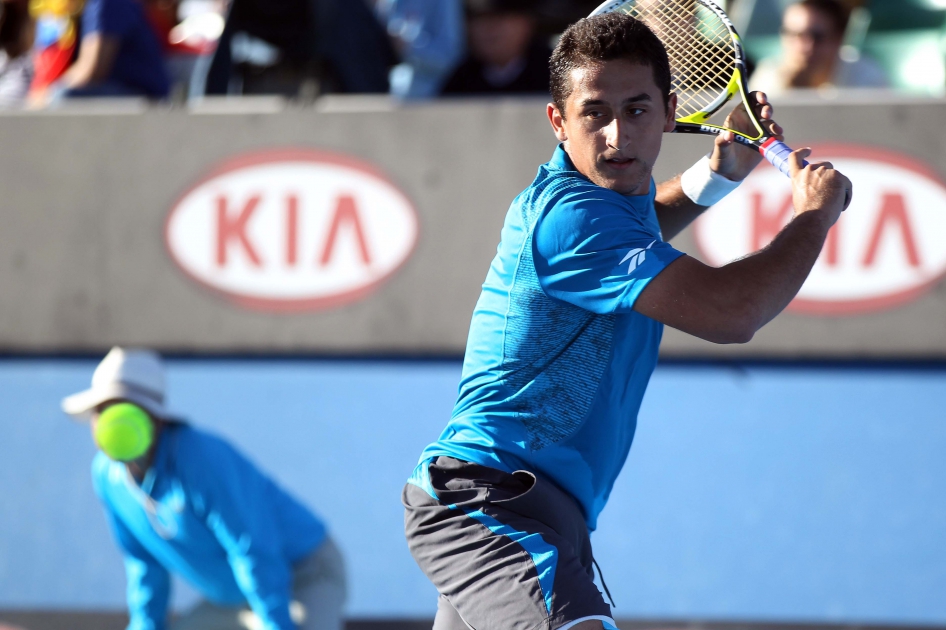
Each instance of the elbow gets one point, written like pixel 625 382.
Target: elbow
pixel 731 335
pixel 745 324
pixel 740 335
pixel 740 327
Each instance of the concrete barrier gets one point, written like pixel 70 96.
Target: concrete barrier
pixel 86 260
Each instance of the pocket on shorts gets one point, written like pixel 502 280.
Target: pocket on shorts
pixel 460 483
pixel 545 502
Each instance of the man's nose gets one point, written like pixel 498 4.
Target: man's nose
pixel 613 134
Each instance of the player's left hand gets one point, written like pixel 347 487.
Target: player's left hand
pixel 732 160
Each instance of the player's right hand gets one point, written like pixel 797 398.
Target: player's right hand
pixel 818 186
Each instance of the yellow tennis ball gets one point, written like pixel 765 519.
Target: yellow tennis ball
pixel 124 432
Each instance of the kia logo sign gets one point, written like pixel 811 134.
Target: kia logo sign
pixel 887 249
pixel 292 230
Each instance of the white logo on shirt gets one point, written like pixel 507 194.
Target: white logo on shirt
pixel 637 257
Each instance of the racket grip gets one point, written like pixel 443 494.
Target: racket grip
pixel 777 152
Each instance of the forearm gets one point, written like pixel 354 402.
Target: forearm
pixel 262 575
pixel 675 211
pixel 266 582
pixel 729 304
pixel 761 285
pixel 76 77
pixel 80 74
pixel 147 593
pixel 96 57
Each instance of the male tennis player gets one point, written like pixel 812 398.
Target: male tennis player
pixel 564 336
pixel 190 504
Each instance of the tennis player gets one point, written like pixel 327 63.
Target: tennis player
pixel 190 504
pixel 564 336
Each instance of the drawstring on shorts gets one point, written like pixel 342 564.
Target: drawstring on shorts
pixel 605 586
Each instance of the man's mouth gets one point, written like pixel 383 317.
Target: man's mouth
pixel 619 161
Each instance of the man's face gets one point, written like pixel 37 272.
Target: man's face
pixel 97 413
pixel 809 41
pixel 614 121
pixel 498 39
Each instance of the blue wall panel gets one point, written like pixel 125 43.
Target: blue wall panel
pixel 783 493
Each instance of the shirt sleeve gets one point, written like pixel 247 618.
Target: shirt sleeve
pixel 148 582
pixel 236 510
pixel 107 17
pixel 597 253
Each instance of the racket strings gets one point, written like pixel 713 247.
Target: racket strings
pixel 699 47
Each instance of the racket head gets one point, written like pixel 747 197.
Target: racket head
pixel 707 63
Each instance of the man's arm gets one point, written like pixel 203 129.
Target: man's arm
pixel 148 583
pixel 242 520
pixel 96 57
pixel 675 211
pixel 729 304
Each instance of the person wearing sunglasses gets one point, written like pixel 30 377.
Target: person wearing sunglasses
pixel 811 36
pixel 181 500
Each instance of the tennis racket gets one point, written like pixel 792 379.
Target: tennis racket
pixel 707 67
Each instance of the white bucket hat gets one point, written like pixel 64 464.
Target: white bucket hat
pixel 133 375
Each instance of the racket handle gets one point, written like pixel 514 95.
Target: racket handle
pixel 777 152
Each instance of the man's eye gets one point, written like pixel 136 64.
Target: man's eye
pixel 636 111
pixel 594 114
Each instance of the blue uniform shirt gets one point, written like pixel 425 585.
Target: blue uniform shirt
pixel 206 513
pixel 557 360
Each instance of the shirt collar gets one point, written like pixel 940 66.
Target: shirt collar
pixel 560 161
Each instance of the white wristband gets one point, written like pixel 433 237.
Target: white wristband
pixel 703 186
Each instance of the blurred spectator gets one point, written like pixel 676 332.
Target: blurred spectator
pixel 506 55
pixel 428 37
pixel 16 64
pixel 56 41
pixel 280 46
pixel 812 31
pixel 189 30
pixel 162 15
pixel 119 55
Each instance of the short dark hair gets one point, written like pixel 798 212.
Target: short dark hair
pixel 601 38
pixel 836 12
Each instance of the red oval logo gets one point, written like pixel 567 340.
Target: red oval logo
pixel 887 249
pixel 292 230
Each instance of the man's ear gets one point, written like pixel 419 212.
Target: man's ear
pixel 671 122
pixel 557 121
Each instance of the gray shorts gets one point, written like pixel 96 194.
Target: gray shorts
pixel 505 551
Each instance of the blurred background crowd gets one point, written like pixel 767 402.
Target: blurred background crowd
pixel 178 50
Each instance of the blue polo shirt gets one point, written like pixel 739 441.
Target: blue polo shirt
pixel 206 513
pixel 557 360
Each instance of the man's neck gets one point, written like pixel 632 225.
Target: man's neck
pixel 139 467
